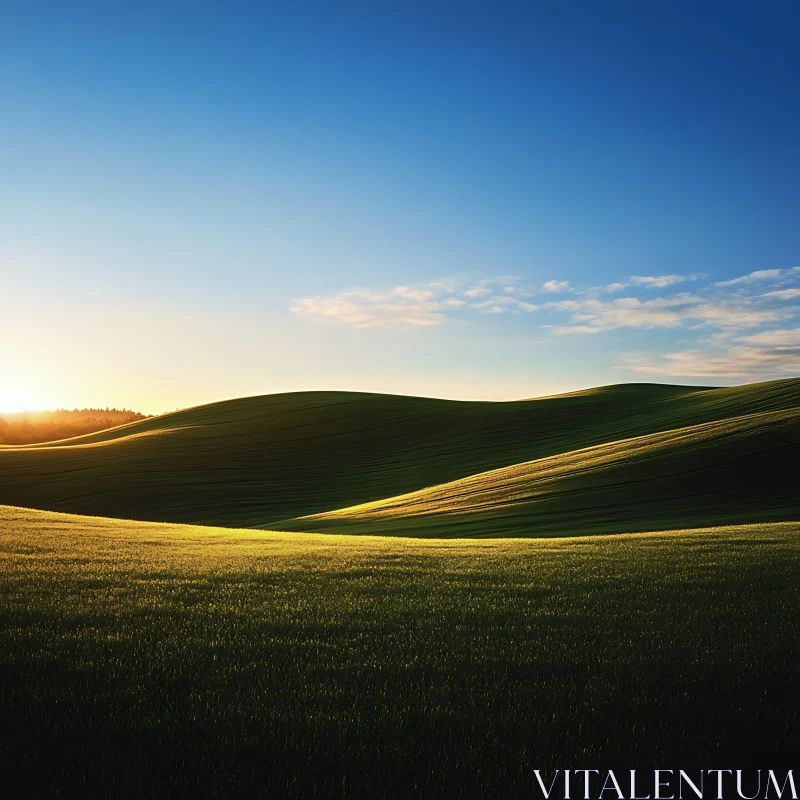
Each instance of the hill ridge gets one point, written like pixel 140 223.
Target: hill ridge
pixel 501 492
pixel 254 461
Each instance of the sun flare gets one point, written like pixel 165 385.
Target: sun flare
pixel 18 394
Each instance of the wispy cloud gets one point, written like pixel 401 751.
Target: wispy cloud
pixel 660 281
pixel 758 275
pixel 595 316
pixel 363 309
pixel 783 294
pixel 421 305
pixel 748 361
pixel 742 328
pixel 734 311
pixel 732 315
pixel 479 290
pixel 722 306
pixel 499 303
pixel 780 338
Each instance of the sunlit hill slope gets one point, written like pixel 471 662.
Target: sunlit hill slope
pixel 618 458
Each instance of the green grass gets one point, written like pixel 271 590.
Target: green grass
pixel 145 659
pixel 258 461
pixel 734 471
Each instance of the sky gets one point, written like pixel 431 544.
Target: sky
pixel 489 200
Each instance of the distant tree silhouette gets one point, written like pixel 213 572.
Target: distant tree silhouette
pixel 29 427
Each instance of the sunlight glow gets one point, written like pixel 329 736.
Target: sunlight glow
pixel 21 393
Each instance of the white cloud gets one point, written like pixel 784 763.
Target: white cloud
pixel 596 315
pixel 780 338
pixel 443 286
pixel 716 309
pixel 413 294
pixel 722 312
pixel 563 330
pixel 732 315
pixel 500 303
pixel 480 289
pixel 555 286
pixel 362 309
pixel 673 300
pixel 424 305
pixel 735 362
pixel 757 356
pixel 657 281
pixel 758 275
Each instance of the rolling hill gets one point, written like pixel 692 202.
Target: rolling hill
pixel 740 469
pixel 628 457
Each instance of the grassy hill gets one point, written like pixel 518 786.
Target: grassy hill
pixel 150 660
pixel 735 470
pixel 257 461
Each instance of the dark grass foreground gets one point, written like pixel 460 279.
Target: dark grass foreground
pixel 140 660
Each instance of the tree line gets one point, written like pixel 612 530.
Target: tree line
pixel 30 427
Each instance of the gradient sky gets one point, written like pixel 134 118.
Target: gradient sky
pixel 477 200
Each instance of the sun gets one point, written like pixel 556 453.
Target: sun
pixel 21 395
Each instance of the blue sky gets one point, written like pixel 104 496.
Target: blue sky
pixel 478 200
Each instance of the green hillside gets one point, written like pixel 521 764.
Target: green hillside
pixel 736 470
pixel 256 461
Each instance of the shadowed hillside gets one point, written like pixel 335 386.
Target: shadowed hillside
pixel 742 470
pixel 255 461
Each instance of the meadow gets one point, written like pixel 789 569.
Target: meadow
pixel 402 596
pixel 141 659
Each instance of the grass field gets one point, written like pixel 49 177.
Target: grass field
pixel 721 456
pixel 145 659
pixel 736 470
pixel 148 659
